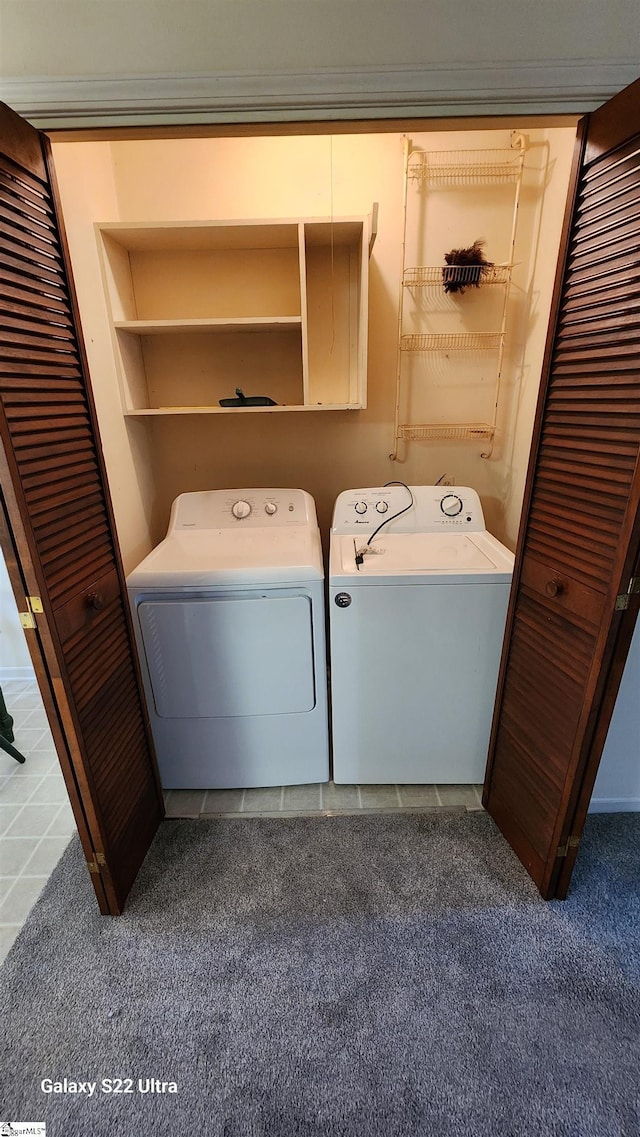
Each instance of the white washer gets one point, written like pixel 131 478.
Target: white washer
pixel 229 621
pixel 416 635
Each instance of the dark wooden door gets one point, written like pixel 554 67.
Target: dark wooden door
pixel 573 602
pixel 57 529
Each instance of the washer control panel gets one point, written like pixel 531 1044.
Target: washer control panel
pixel 451 505
pixel 241 509
pixel 371 507
pixel 432 510
pixel 254 509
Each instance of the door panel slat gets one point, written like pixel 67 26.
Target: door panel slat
pixel 24 236
pixel 27 271
pixel 18 331
pixel 599 277
pixel 615 218
pixel 18 200
pixel 41 302
pixel 26 183
pixel 589 511
pixel 23 212
pixel 33 258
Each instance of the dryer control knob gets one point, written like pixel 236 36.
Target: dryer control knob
pixel 361 507
pixel 451 505
pixel 240 509
pixel 382 506
pixel 271 508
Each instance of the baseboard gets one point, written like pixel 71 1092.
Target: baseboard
pixel 25 673
pixel 615 805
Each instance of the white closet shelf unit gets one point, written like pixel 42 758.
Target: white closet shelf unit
pixel 275 307
pixel 451 170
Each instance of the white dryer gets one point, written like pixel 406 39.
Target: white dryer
pixel 228 614
pixel 417 616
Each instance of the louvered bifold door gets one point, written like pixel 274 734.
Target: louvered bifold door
pixel 573 600
pixel 60 515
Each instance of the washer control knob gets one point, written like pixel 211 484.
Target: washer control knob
pixel 382 506
pixel 361 507
pixel 451 505
pixel 271 508
pixel 240 509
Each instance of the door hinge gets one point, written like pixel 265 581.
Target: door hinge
pixel 94 866
pixel 622 601
pixel 571 843
pixel 34 605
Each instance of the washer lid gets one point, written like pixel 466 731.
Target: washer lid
pixel 224 558
pixel 454 557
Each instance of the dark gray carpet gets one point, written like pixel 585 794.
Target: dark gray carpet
pixel 375 975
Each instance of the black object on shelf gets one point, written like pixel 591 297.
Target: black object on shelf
pixel 242 400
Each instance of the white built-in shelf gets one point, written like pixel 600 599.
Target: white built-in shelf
pixel 209 410
pixel 208 327
pixel 277 308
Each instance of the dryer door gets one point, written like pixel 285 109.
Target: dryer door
pixel 228 656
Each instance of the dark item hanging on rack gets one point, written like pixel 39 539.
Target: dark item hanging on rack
pixel 466 268
pixel 242 400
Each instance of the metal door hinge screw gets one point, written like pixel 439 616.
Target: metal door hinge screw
pixel 94 866
pixel 571 843
pixel 34 605
pixel 622 601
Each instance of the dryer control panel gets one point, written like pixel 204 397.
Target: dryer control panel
pixel 245 508
pixel 425 509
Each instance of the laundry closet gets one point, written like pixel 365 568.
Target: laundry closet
pixel 310 273
pixel 310 205
pixel 262 225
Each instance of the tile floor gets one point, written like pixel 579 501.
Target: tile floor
pixel 36 821
pixel 318 798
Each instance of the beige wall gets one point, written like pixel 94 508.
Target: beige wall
pixel 548 162
pixel 324 452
